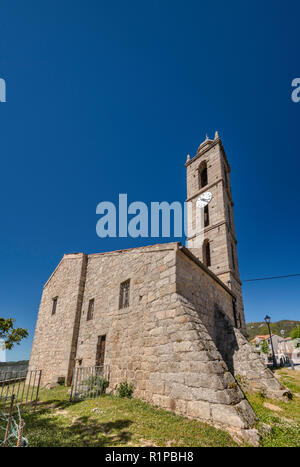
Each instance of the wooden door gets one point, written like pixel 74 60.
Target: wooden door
pixel 100 350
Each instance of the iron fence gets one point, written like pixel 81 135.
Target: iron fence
pixel 11 423
pixel 23 385
pixel 89 382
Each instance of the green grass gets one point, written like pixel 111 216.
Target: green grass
pixel 291 379
pixel 130 422
pixel 121 422
pixel 285 423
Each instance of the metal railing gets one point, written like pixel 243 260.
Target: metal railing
pixel 89 382
pixel 11 423
pixel 24 385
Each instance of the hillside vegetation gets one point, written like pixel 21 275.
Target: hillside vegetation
pixel 16 364
pixel 260 328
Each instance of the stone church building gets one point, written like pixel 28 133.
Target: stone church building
pixel 168 318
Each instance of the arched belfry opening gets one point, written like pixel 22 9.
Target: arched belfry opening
pixel 203 179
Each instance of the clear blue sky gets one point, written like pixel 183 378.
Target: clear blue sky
pixel 109 97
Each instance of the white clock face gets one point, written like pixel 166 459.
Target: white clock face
pixel 204 199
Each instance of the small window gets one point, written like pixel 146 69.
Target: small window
pixel 240 320
pixel 206 253
pixel 54 305
pixel 206 216
pixel 234 313
pixel 225 175
pixel 232 257
pixel 124 294
pixel 90 313
pixel 229 216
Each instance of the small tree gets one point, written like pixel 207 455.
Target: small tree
pixel 264 347
pixel 9 334
pixel 295 333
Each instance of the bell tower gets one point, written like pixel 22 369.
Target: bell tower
pixel 213 239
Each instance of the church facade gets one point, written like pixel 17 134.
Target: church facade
pixel 167 318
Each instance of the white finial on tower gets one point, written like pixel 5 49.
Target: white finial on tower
pixel 206 138
pixel 216 135
pixel 188 158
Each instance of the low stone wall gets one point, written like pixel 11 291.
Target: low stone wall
pixel 7 368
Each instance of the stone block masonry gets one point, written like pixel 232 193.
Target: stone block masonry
pixel 165 342
pixel 54 341
pixel 219 233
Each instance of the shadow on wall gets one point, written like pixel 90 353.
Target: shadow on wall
pixel 224 337
pixel 241 359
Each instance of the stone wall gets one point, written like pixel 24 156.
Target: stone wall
pixel 202 290
pixel 242 360
pixel 216 312
pixel 160 342
pixel 7 368
pixel 151 271
pixel 175 341
pixel 54 337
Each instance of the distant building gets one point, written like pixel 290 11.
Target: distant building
pixel 257 341
pixel 291 348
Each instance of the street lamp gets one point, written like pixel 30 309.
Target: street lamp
pixel 268 320
pixel 284 345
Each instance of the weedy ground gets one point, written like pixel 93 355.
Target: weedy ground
pixel 114 422
pixel 283 417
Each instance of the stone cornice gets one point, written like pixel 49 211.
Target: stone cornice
pixel 210 185
pixel 141 249
pixel 214 226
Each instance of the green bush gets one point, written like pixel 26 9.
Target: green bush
pixel 98 384
pixel 264 347
pixel 295 333
pixel 125 389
